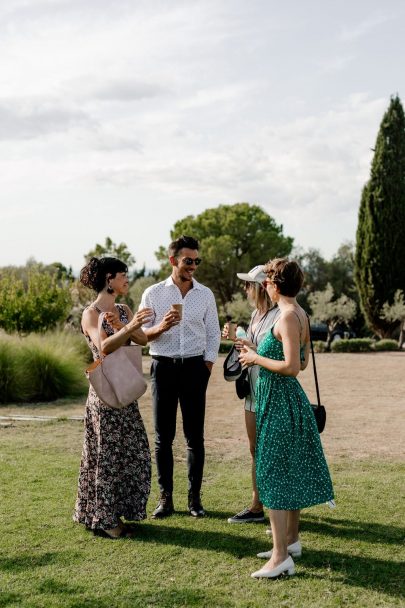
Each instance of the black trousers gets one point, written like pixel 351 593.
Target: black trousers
pixel 181 381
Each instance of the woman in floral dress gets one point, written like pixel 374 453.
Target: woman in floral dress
pixel 291 469
pixel 115 470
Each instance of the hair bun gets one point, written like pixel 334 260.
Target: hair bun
pixel 88 273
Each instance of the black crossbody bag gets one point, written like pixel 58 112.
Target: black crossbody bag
pixel 318 409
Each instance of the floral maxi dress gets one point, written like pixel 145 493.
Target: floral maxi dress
pixel 291 469
pixel 115 470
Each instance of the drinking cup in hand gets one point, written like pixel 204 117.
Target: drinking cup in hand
pixel 178 308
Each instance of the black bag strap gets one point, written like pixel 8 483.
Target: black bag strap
pixel 313 363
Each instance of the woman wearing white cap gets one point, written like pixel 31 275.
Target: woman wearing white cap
pixel 261 320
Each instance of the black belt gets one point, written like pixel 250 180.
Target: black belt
pixel 175 360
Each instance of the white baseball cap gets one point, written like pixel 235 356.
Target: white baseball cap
pixel 256 275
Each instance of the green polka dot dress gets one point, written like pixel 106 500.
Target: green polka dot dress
pixel 291 469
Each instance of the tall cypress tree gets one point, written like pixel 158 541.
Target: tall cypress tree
pixel 380 240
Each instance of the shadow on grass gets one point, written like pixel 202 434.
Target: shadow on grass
pixel 383 576
pixel 164 598
pixel 237 546
pixel 9 598
pixel 375 574
pixel 28 562
pixel 353 530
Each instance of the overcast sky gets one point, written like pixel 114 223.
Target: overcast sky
pixel 119 117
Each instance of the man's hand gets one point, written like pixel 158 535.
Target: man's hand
pixel 170 319
pixel 142 316
pixel 209 364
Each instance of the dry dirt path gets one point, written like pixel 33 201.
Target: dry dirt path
pixel 364 395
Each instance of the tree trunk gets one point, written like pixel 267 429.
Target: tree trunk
pixel 401 334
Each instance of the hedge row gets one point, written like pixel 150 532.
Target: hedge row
pixel 356 345
pixel 42 367
pixel 353 345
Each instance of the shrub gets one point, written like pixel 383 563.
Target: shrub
pixel 355 345
pixel 320 346
pixel 386 345
pixel 36 304
pixel 40 368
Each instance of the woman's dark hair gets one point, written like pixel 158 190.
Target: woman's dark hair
pixel 183 242
pixel 286 274
pixel 96 271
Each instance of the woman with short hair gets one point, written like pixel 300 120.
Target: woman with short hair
pixel 291 469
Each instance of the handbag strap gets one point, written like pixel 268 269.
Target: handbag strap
pixel 100 322
pixel 313 363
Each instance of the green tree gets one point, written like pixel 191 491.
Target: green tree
pixel 333 312
pixel 380 239
pixel 138 287
pixel 233 238
pixel 113 250
pixel 316 273
pixel 315 268
pixel 238 308
pixel 35 305
pixel 341 271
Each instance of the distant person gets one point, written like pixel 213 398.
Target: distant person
pixel 184 335
pixel 263 317
pixel 115 471
pixel 291 469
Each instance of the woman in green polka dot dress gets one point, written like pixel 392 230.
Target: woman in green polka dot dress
pixel 291 469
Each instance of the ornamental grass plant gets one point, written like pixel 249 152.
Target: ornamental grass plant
pixel 41 367
pixel 11 381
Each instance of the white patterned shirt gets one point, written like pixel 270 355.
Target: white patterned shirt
pixel 198 332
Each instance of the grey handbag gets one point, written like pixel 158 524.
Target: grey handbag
pixel 117 378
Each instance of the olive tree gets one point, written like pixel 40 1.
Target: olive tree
pixel 333 312
pixel 395 313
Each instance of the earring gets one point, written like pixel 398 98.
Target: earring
pixel 110 290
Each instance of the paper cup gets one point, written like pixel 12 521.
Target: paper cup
pixel 232 331
pixel 178 308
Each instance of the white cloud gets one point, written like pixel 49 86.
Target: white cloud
pixel 185 105
pixel 365 26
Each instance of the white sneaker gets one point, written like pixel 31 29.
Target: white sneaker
pixel 295 549
pixel 286 567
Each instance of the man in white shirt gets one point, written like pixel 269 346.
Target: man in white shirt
pixel 184 348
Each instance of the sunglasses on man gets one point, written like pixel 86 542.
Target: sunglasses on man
pixel 191 261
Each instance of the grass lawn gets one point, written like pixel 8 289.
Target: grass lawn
pixel 352 555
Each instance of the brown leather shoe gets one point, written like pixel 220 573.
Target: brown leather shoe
pixel 165 506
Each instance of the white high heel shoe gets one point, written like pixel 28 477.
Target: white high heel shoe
pixel 295 550
pixel 286 567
